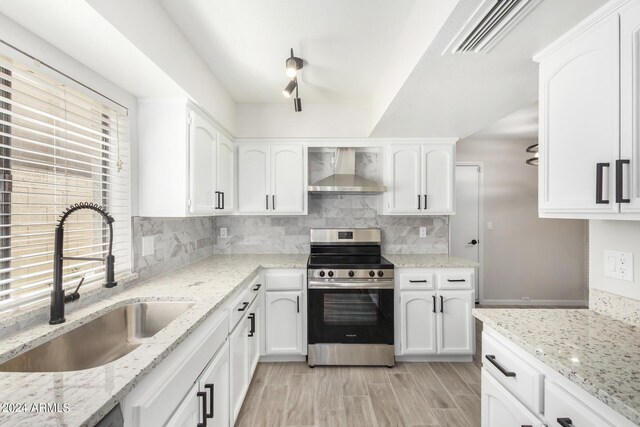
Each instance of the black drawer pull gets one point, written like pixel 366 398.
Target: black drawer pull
pixel 526 425
pixel 418 281
pixel 203 396
pixel 257 287
pixel 297 304
pixel 456 280
pixel 211 389
pixel 491 358
pixel 244 306
pixel 252 329
pixel 565 422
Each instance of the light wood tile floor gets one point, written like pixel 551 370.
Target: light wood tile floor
pixel 410 394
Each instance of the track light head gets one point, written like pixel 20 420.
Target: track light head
pixel 293 64
pixel 289 88
pixel 297 104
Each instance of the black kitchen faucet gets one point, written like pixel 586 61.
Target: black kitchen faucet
pixel 58 298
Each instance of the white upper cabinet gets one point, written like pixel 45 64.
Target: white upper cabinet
pixel 589 94
pixel 202 165
pixel 579 130
pixel 186 164
pixel 420 179
pixel 272 179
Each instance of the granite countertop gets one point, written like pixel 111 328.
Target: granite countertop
pixel 598 353
pixel 429 261
pixel 92 393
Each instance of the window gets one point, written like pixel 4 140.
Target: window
pixel 58 146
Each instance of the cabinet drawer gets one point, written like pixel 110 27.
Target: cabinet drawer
pixel 501 409
pixel 417 279
pixel 522 379
pixel 240 306
pixel 284 280
pixel 560 404
pixel 455 279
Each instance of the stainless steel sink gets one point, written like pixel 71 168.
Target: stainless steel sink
pixel 100 341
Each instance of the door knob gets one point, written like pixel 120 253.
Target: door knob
pixel 473 242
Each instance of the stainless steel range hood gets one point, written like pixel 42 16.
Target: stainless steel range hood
pixel 344 179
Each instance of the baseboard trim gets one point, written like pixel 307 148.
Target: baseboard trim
pixel 570 303
pixel 444 358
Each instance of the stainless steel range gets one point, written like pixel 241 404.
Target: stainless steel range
pixel 350 299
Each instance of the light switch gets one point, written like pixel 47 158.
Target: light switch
pixel 618 265
pixel 148 245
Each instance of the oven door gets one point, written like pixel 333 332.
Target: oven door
pixel 350 316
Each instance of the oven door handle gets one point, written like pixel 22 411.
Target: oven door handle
pixel 314 284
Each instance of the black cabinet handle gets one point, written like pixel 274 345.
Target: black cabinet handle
pixel 417 281
pixel 425 201
pixel 599 178
pixel 211 389
pixel 565 422
pixel 252 328
pixel 222 200
pixel 456 280
pixel 441 304
pixel 526 425
pixel 266 198
pixel 619 181
pixel 298 303
pixel 203 396
pixel 273 202
pixel 491 358
pixel 257 286
pixel 217 200
pixel 419 202
pixel 244 306
pixel 434 303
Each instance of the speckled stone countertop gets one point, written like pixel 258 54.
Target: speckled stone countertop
pixel 92 393
pixel 429 261
pixel 598 353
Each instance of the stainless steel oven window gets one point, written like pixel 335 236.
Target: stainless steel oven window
pixel 351 308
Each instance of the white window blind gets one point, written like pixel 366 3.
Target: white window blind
pixel 58 146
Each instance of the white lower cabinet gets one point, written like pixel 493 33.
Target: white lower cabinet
pixel 433 321
pixel 501 409
pixel 189 412
pixel 239 366
pixel 284 322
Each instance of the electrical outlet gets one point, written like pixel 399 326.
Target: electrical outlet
pixel 223 232
pixel 423 231
pixel 489 225
pixel 148 245
pixel 618 265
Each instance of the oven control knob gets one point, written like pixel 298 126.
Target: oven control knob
pixel 351 273
pixel 380 273
pixel 321 274
pixel 330 273
pixel 372 273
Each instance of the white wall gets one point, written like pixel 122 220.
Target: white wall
pixel 314 121
pixel 618 236
pixel 33 45
pixel 524 256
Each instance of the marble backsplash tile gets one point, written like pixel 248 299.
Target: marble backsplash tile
pixel 178 242
pixel 290 234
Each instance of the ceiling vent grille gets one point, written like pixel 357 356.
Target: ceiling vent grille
pixel 489 24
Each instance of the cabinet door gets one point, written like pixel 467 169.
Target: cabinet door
pixel 455 323
pixel 254 335
pixel 418 322
pixel 253 183
pixel 190 411
pixel 284 322
pixel 239 366
pixel 437 175
pixel 215 383
pixel 579 122
pixel 500 408
pixel 288 189
pixel 403 180
pixel 225 167
pixel 202 165
pixel 629 104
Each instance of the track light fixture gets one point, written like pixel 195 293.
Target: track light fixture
pixel 293 65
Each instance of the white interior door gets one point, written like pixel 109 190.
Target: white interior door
pixel 465 224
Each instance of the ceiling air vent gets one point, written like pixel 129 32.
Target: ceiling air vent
pixel 489 24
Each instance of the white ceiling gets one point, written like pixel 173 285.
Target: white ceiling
pixel 523 124
pixel 457 95
pixel 82 33
pixel 345 44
